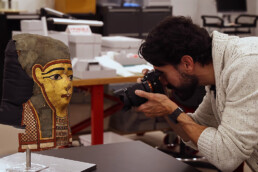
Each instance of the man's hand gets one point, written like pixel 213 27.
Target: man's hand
pixel 144 72
pixel 157 104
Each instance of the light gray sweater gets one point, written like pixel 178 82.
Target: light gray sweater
pixel 231 117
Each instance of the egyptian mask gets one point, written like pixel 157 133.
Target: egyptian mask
pixel 46 62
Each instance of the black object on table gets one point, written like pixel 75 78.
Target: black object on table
pixel 126 156
pixel 131 21
pixel 10 22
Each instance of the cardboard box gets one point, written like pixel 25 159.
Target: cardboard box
pixel 31 32
pixel 121 44
pixel 103 73
pixel 85 46
pixel 109 137
pixel 61 36
pixel 76 6
pixel 82 70
pixel 31 25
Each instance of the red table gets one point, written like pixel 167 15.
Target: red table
pixel 96 87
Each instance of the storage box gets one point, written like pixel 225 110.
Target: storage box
pixel 61 36
pixel 129 59
pixel 76 6
pixel 109 137
pixel 31 32
pixel 121 44
pixel 82 70
pixel 85 46
pixel 31 25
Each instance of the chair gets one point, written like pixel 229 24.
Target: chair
pixel 243 21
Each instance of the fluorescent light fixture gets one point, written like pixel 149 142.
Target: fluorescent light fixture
pixel 54 12
pixel 76 22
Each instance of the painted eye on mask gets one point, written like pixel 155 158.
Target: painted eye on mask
pixel 71 77
pixel 55 77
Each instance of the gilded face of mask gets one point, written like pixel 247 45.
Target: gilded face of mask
pixel 55 81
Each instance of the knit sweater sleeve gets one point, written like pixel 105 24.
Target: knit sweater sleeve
pixel 235 138
pixel 204 114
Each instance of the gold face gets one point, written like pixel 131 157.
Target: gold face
pixel 55 81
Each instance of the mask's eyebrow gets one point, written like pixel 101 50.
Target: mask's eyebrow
pixel 59 68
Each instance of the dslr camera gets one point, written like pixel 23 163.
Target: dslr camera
pixel 149 83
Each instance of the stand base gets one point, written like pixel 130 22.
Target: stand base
pixel 23 168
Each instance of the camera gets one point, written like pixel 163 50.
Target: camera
pixel 149 83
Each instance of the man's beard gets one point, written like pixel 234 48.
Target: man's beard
pixel 187 89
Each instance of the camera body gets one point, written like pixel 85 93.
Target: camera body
pixel 150 83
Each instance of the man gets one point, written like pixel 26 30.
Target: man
pixel 224 127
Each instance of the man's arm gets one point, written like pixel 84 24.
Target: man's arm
pixel 161 105
pixel 192 129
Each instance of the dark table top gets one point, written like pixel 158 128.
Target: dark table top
pixel 133 156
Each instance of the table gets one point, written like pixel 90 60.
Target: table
pixel 97 104
pixel 133 156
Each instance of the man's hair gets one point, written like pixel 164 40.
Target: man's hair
pixel 173 38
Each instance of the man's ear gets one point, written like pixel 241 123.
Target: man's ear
pixel 37 74
pixel 187 63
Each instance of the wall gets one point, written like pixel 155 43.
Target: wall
pixel 196 8
pixel 31 5
pixel 192 8
pixel 9 140
pixel 185 8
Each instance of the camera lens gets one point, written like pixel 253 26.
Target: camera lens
pixel 150 83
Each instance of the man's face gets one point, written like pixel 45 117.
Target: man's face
pixel 181 83
pixel 56 81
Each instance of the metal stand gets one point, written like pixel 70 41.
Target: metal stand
pixel 28 159
pixel 28 166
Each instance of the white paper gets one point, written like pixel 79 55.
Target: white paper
pixel 54 164
pixel 137 69
pixel 107 61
